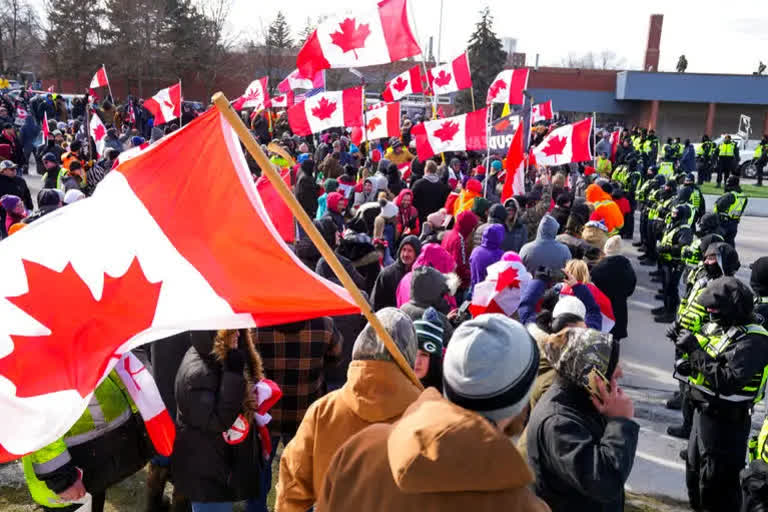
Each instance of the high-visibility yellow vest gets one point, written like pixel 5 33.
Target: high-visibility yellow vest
pixel 727 149
pixel 736 210
pixel 667 169
pixel 757 446
pixel 690 314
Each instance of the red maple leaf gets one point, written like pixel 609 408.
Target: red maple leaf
pixel 555 146
pixel 508 277
pixel 324 109
pixel 442 79
pixel 99 132
pixel 447 131
pixel 373 123
pixel 496 88
pixel 349 38
pixel 82 341
pixel 502 125
pixel 400 84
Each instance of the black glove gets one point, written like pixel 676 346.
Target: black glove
pixel 235 362
pixel 673 332
pixel 688 343
pixel 684 368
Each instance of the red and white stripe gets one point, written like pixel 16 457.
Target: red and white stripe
pixel 567 144
pixel 175 264
pixel 256 96
pixel 374 37
pixel 282 101
pixel 298 81
pixel 603 302
pixel 383 122
pixel 542 112
pixel 99 133
pixel 100 78
pixel 508 87
pixel 327 110
pixel 450 77
pixel 165 105
pixel 408 82
pixel 467 132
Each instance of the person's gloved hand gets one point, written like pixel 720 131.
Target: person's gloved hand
pixel 235 362
pixel 688 343
pixel 673 332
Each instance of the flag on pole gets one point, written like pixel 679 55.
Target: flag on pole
pixel 515 167
pixel 256 96
pixel 451 77
pixel 327 110
pixel 46 129
pixel 466 132
pixel 508 87
pixel 383 122
pixel 371 38
pixel 131 114
pixel 99 79
pixel 282 101
pixel 298 81
pixel 615 136
pixel 145 268
pixel 99 134
pixel 165 105
pixel 542 112
pixel 408 82
pixel 502 289
pixel 567 144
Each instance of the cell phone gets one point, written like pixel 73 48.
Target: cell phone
pixel 593 377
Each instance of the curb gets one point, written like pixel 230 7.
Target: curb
pixel 756 206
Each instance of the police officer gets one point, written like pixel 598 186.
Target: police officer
pixel 705 154
pixel 642 196
pixel 650 148
pixel 720 260
pixel 761 157
pixel 759 284
pixel 727 367
pixel 727 157
pixel 730 207
pixel 655 198
pixel 690 193
pixel 677 235
pixel 709 231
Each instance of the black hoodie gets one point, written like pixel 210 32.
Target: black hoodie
pixel 385 290
pixel 759 283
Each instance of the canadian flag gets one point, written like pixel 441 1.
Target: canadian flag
pixel 99 134
pixel 451 77
pixel 501 291
pixel 376 37
pixel 383 122
pixel 99 79
pixel 615 137
pixel 508 87
pixel 466 132
pixel 165 105
pixel 603 302
pixel 45 127
pixel 256 96
pixel 145 268
pixel 542 112
pixel 327 110
pixel 282 101
pixel 298 81
pixel 131 114
pixel 408 82
pixel 515 167
pixel 569 143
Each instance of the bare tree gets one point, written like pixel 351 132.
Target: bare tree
pixel 20 36
pixel 590 60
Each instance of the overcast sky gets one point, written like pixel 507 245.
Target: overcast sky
pixel 715 36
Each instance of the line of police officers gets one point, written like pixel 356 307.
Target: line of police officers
pixel 718 327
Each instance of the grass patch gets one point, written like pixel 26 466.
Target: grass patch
pixel 750 190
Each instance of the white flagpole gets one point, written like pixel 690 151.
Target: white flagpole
pixel 487 162
pixel 181 106
pixel 109 87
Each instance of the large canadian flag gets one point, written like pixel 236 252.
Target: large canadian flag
pixel 508 87
pixel 99 79
pixel 515 167
pixel 451 77
pixel 165 105
pixel 615 139
pixel 408 82
pixel 327 110
pixel 569 143
pixel 147 267
pixel 542 112
pixel 99 134
pixel 298 81
pixel 383 122
pixel 285 100
pixel 467 132
pixel 375 37
pixel 256 96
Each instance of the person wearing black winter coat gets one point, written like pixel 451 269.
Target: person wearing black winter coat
pixel 306 188
pixel 616 278
pixel 429 192
pixel 562 210
pixel 385 289
pixel 211 386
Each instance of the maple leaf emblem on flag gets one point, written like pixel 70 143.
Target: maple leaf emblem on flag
pixel 373 123
pixel 508 277
pixel 350 38
pixel 79 348
pixel 400 84
pixel 502 125
pixel 324 109
pixel 447 131
pixel 442 79
pixel 555 146
pixel 99 132
pixel 496 88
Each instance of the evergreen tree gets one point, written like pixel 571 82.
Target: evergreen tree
pixel 279 33
pixel 486 59
pixel 309 27
pixel 73 33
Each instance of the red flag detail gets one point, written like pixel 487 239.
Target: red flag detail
pixel 349 37
pixel 447 131
pixel 515 167
pixel 324 110
pixel 279 213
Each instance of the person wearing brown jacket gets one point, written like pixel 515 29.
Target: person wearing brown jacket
pixel 449 453
pixel 376 391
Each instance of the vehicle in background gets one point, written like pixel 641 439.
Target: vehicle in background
pixel 746 153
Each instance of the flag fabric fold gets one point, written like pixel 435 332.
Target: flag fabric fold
pixel 407 82
pixel 296 80
pixel 370 38
pixel 45 127
pixel 327 110
pixel 615 138
pixel 508 87
pixel 165 105
pixel 99 133
pixel 567 144
pixel 514 165
pixel 283 101
pixel 383 122
pixel 542 112
pixel 256 96
pixel 167 250
pixel 100 78
pixel 450 77
pixel 467 132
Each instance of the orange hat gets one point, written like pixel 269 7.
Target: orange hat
pixel 16 227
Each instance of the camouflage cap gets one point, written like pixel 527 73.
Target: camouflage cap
pixel 575 351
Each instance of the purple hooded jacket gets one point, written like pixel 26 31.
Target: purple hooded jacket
pixel 487 254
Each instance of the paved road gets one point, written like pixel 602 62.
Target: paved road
pixel 647 357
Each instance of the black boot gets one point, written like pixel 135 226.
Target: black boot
pixel 647 262
pixel 676 402
pixel 656 279
pixel 637 244
pixel 659 296
pixel 658 311
pixel 655 273
pixel 665 318
pixel 679 431
pixel 684 455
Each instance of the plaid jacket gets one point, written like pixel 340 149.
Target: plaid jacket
pixel 296 361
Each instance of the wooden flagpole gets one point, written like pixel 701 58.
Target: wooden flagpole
pixel 109 87
pixel 222 104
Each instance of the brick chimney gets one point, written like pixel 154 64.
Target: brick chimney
pixel 654 43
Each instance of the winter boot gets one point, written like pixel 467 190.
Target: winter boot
pixel 679 431
pixel 665 318
pixel 157 476
pixel 658 311
pixel 659 296
pixel 676 402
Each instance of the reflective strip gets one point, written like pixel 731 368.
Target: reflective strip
pixel 93 434
pixel 52 465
